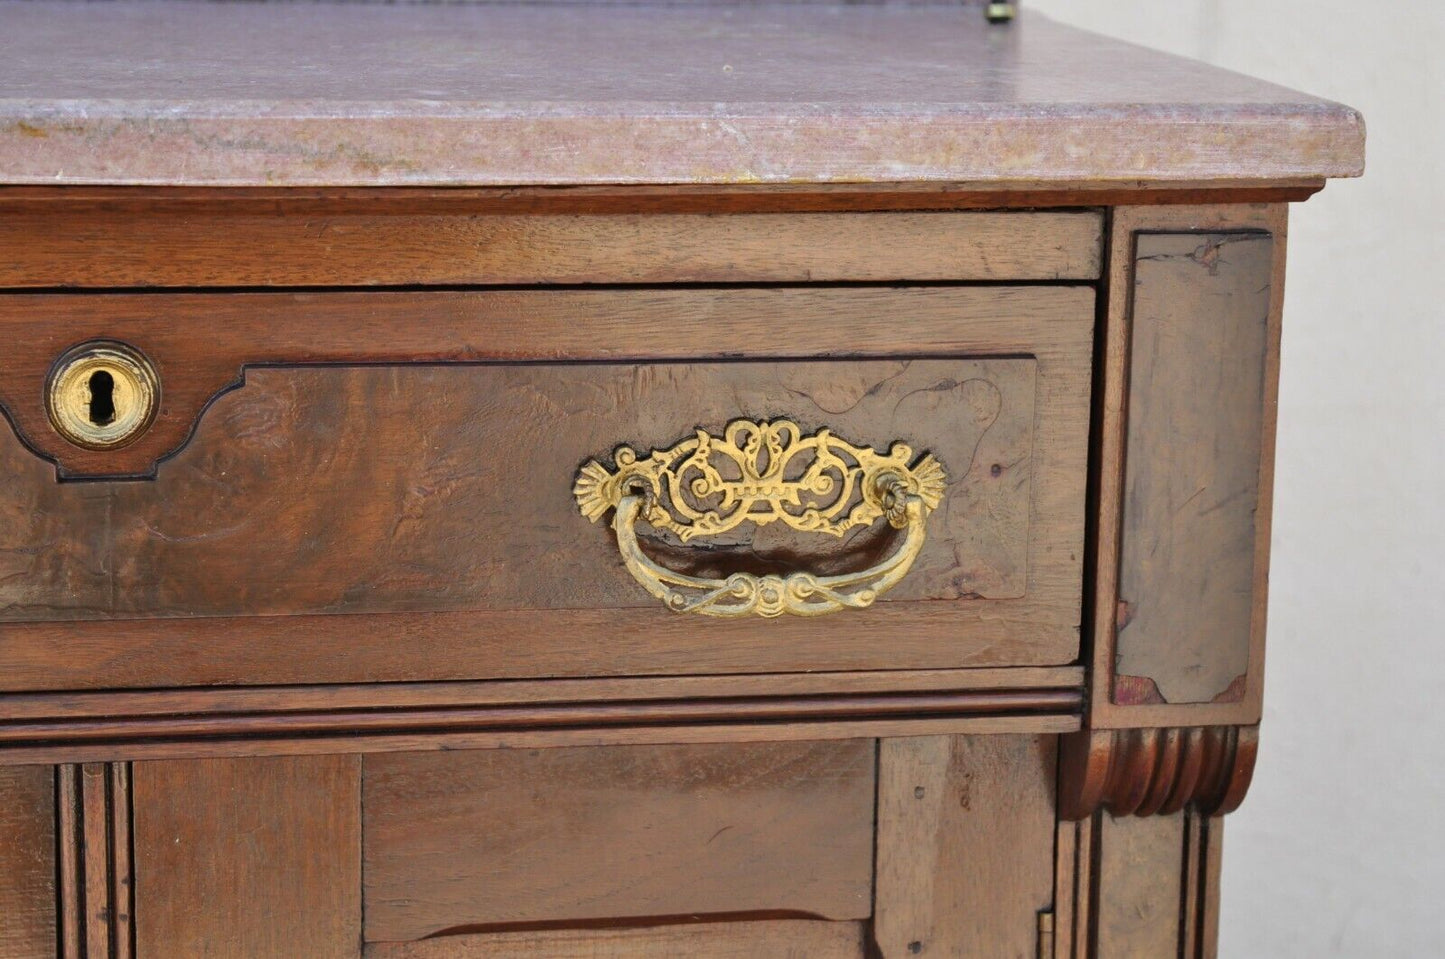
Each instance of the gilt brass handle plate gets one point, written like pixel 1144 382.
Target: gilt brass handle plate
pixel 764 472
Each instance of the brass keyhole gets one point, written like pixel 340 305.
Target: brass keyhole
pixel 102 398
pixel 102 395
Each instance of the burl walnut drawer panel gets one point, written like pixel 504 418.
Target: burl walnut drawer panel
pixel 391 491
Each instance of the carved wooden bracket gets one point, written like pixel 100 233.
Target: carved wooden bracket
pixel 1144 772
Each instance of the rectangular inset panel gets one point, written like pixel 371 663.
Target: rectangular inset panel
pixel 248 858
pixel 372 489
pixel 1198 408
pixel 761 939
pixel 466 840
pixel 28 920
pixel 965 844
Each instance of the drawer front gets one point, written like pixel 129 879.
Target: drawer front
pixel 374 517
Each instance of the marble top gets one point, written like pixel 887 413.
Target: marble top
pixel 346 94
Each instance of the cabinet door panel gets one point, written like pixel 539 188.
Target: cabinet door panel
pixel 248 858
pixel 965 845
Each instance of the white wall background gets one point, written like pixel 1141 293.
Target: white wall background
pixel 1339 850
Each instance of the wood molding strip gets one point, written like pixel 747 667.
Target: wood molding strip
pixel 545 716
pixel 93 812
pixel 17 707
pixel 1041 723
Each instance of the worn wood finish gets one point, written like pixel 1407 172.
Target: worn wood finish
pixel 28 868
pixel 96 879
pixel 1073 889
pixel 1138 887
pixel 965 844
pixel 1241 695
pixel 772 939
pixel 363 490
pixel 328 661
pixel 381 241
pixel 1140 881
pixel 458 842
pixel 248 858
pixel 445 491
pixel 1200 334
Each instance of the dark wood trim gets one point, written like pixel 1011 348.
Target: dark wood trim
pixel 93 816
pixel 1041 723
pixel 228 700
pixel 691 198
pixel 532 717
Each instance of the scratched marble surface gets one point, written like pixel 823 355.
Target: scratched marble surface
pixel 154 92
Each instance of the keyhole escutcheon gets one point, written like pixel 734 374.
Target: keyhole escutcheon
pixel 102 394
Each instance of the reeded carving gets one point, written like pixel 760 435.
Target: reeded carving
pixel 1143 772
pixel 93 840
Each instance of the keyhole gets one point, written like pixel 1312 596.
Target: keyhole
pixel 102 398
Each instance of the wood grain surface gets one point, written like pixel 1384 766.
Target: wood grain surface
pixel 459 842
pixel 96 878
pixel 965 844
pixel 248 858
pixel 202 344
pixel 423 484
pixel 28 869
pixel 405 239
pixel 1196 410
pixel 191 721
pixel 1237 698
pixel 757 939
pixel 355 490
pixel 321 744
pixel 1141 887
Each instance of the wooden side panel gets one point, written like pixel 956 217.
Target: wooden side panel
pixel 1185 441
pixel 466 841
pixel 1197 406
pixel 248 858
pixel 1140 886
pixel 762 939
pixel 28 920
pixel 965 845
pixel 383 242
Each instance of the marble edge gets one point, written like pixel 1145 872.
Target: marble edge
pixel 331 144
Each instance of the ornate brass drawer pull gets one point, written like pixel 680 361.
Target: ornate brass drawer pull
pixel 764 472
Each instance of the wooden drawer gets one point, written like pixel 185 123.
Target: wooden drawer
pixel 389 493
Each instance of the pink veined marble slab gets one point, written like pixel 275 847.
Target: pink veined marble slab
pixel 315 94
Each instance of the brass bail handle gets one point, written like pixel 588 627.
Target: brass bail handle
pixel 837 487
